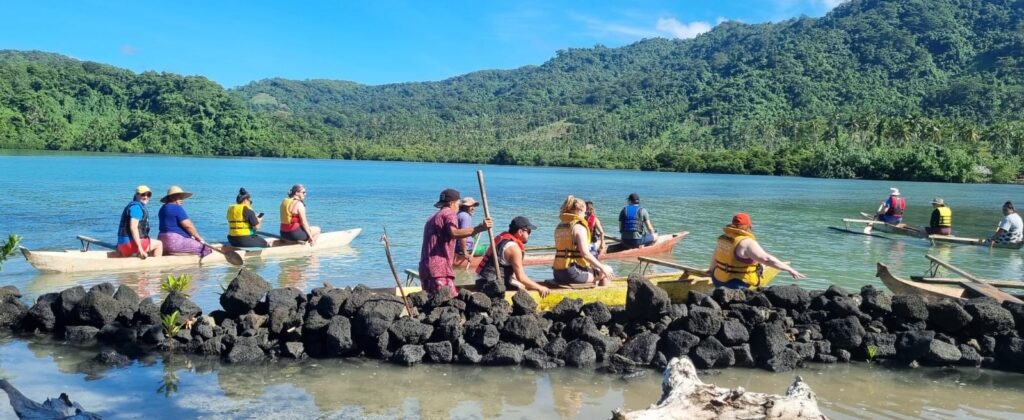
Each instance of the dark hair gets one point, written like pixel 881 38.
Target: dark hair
pixel 1009 205
pixel 634 198
pixel 242 196
pixel 295 189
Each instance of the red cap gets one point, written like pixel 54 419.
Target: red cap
pixel 741 219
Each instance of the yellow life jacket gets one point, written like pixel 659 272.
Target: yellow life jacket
pixel 286 214
pixel 945 216
pixel 566 253
pixel 728 266
pixel 237 225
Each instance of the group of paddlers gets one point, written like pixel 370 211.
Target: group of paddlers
pixel 178 235
pixel 579 241
pixel 1010 229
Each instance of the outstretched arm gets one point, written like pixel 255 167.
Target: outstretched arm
pixel 752 250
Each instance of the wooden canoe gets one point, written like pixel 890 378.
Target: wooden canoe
pixel 931 292
pixel 664 244
pixel 971 241
pixel 677 284
pixel 326 240
pixel 73 261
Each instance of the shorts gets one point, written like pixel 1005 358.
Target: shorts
pixel 939 230
pixel 129 249
pixel 629 243
pixel 572 275
pixel 731 284
pixel 248 241
pixel 892 220
pixel 436 284
pixel 297 235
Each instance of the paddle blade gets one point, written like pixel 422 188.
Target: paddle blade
pixel 867 230
pixel 233 258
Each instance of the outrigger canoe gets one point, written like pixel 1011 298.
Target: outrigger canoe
pixel 664 244
pixel 930 288
pixel 74 260
pixel 972 241
pixel 677 284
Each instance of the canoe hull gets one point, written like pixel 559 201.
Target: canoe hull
pixel 971 241
pixel 327 240
pixel 664 244
pixel 678 285
pixel 930 292
pixel 74 261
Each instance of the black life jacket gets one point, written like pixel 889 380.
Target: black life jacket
pixel 124 228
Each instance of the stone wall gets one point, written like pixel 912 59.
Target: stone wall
pixel 776 329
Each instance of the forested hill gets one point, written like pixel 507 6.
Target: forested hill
pixel 899 89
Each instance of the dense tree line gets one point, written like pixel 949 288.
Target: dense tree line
pixel 883 89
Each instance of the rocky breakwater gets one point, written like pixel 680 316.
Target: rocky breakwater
pixel 776 329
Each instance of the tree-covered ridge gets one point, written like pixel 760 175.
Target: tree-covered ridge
pixel 900 89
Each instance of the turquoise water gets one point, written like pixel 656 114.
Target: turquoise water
pixel 50 198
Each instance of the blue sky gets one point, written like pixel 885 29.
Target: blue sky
pixel 373 42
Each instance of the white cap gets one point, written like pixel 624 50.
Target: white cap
pixel 894 191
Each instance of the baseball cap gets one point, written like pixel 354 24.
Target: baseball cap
pixel 634 198
pixel 447 196
pixel 520 222
pixel 742 219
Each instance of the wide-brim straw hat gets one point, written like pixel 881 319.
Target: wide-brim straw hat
pixel 173 192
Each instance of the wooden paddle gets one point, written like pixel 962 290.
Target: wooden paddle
pixel 230 255
pixel 394 271
pixel 490 231
pixel 977 285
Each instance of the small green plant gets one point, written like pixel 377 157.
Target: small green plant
pixel 168 384
pixel 171 324
pixel 176 284
pixel 872 352
pixel 8 248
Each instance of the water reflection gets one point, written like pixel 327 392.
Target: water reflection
pixel 200 386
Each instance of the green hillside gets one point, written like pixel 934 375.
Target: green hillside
pixel 885 89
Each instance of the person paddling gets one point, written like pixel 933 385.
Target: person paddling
pixel 438 249
pixel 243 222
pixel 294 223
pixel 737 261
pixel 511 251
pixel 891 210
pixel 133 230
pixel 635 224
pixel 177 231
pixel 941 222
pixel 1011 228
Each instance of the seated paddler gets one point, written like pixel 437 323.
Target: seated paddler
pixel 738 257
pixel 511 251
pixel 243 222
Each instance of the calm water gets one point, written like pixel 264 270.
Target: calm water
pixel 52 198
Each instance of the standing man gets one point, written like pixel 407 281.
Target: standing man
pixel 438 251
pixel 511 251
pixel 891 210
pixel 942 218
pixel 133 230
pixel 464 247
pixel 738 257
pixel 1011 228
pixel 635 224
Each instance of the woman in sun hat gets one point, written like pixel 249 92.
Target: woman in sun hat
pixel 177 232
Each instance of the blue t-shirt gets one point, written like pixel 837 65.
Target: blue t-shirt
pixel 465 221
pixel 135 212
pixel 171 216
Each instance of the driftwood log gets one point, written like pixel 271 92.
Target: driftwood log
pixel 685 396
pixel 53 408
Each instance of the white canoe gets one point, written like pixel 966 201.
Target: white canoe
pixel 326 240
pixel 73 261
pixel 972 241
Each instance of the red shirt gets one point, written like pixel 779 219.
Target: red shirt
pixel 438 250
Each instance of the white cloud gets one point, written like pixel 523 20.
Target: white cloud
pixel 681 30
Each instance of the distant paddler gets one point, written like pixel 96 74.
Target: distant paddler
pixel 574 264
pixel 243 222
pixel 133 230
pixel 891 209
pixel 177 231
pixel 941 222
pixel 294 223
pixel 737 261
pixel 464 246
pixel 635 224
pixel 511 250
pixel 438 249
pixel 1011 228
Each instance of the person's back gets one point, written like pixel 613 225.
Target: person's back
pixel 891 210
pixel 635 224
pixel 941 222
